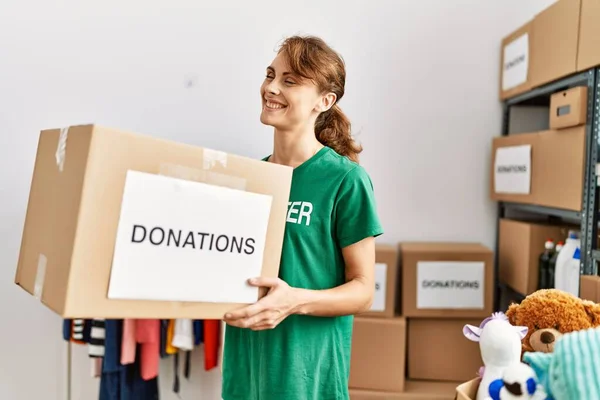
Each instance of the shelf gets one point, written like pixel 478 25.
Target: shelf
pixel 596 255
pixel 541 210
pixel 534 96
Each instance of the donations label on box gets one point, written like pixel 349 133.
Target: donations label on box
pixel 380 287
pixel 450 284
pixel 180 240
pixel 512 170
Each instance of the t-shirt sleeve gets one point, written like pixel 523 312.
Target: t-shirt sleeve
pixel 356 215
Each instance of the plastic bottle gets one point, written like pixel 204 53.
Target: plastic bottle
pixel 566 275
pixel 552 266
pixel 544 264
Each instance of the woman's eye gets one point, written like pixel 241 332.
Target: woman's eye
pixel 290 82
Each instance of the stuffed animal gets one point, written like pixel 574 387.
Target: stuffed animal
pixel 549 314
pixel 519 382
pixel 570 372
pixel 500 347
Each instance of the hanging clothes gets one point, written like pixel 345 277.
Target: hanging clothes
pixel 123 382
pixel 183 334
pixel 169 348
pixel 211 343
pixel 164 327
pixel 147 334
pixel 97 338
pixel 78 331
pixel 198 331
pixel 128 342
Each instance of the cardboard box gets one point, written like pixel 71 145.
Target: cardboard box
pixel 555 41
pixel 589 288
pixel 519 247
pixel 568 108
pixel 524 168
pixel 415 390
pixel 515 62
pixel 438 350
pixel 106 204
pixel 588 55
pixel 447 280
pixel 378 354
pixel 385 299
pixel 468 390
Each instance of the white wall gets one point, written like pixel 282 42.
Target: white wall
pixel 127 63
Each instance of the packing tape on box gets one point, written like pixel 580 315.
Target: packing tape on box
pixel 212 161
pixel 61 148
pixel 40 277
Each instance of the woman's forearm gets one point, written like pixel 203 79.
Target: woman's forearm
pixel 353 297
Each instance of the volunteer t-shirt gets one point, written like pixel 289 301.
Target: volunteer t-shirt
pixel 331 206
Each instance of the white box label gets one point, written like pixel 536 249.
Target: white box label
pixel 380 287
pixel 450 284
pixel 512 170
pixel 516 62
pixel 179 240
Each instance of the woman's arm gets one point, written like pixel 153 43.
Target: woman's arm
pixel 354 296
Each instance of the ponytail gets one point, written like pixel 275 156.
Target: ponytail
pixel 332 129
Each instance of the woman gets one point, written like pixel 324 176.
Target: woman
pixel 294 343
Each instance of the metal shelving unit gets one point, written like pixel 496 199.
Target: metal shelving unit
pixel 588 216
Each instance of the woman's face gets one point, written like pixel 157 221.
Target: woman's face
pixel 288 102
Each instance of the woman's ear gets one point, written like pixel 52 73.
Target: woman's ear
pixel 327 101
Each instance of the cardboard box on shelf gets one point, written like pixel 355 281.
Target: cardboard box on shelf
pixel 446 280
pixel 415 390
pixel 515 62
pixel 589 288
pixel 121 225
pixel 438 350
pixel 568 108
pixel 524 168
pixel 385 299
pixel 588 55
pixel 468 390
pixel 378 354
pixel 520 245
pixel 555 41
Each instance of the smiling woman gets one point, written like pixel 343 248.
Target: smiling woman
pixel 294 343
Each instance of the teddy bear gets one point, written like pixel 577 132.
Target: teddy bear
pixel 550 313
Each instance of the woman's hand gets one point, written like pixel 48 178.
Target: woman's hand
pixel 268 312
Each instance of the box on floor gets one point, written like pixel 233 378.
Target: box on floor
pixel 110 210
pixel 414 390
pixel 438 350
pixel 519 247
pixel 386 297
pixel 378 354
pixel 446 280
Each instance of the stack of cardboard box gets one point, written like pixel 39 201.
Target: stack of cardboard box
pixel 411 345
pixel 526 170
pixel 561 40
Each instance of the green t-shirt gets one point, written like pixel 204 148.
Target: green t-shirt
pixel 331 206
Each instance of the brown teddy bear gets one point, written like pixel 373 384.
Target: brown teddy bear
pixel 549 314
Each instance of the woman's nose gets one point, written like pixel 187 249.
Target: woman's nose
pixel 272 87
